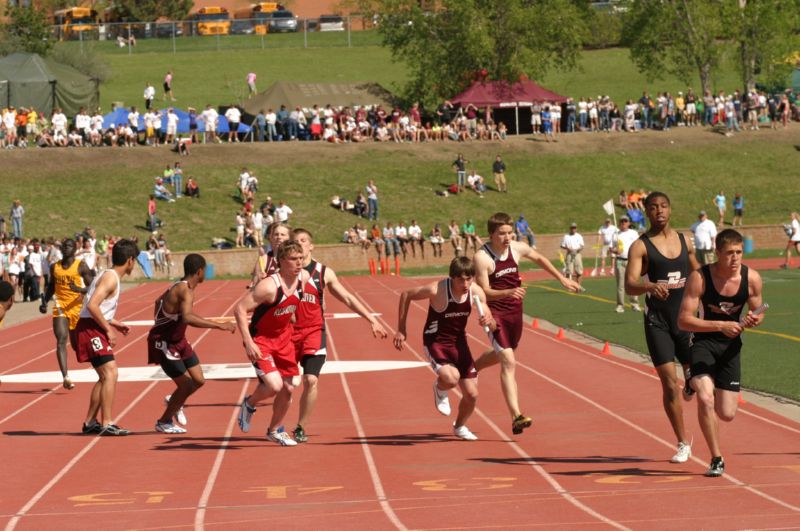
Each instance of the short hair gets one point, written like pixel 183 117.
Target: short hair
pixel 287 248
pixel 497 220
pixel 652 196
pixel 274 225
pixel 728 237
pixel 6 291
pixel 298 231
pixel 123 251
pixel 461 266
pixel 192 264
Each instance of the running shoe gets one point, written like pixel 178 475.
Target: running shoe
pixel 683 454
pixel 67 384
pixel 688 392
pixel 245 415
pixel 620 308
pixel 93 427
pixel 300 434
pixel 441 401
pixel 636 308
pixel 462 432
pixel 281 437
pixel 180 416
pixel 520 423
pixel 113 430
pixel 168 427
pixel 716 468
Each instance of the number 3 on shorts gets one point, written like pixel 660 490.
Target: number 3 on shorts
pixel 97 345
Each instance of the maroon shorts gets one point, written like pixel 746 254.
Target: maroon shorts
pixel 509 330
pixel 157 347
pixel 282 360
pixel 90 342
pixel 457 354
pixel 309 342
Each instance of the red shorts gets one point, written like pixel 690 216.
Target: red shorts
pixel 457 354
pixel 90 342
pixel 509 330
pixel 277 359
pixel 309 342
pixel 156 347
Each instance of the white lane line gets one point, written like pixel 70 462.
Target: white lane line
pixel 564 493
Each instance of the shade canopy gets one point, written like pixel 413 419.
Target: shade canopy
pixel 504 94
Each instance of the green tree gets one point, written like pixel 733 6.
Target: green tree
pixel 447 45
pixel 27 29
pixel 679 37
pixel 147 10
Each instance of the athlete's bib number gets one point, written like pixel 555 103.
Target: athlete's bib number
pixel 97 345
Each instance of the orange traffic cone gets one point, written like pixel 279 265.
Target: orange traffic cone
pixel 396 266
pixel 383 266
pixel 560 334
pixel 741 399
pixel 373 268
pixel 535 324
pixel 606 349
pixel 654 371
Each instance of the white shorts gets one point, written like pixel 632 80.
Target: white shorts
pixel 691 109
pixel 536 119
pixel 171 129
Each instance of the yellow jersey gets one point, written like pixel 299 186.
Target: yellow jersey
pixel 68 303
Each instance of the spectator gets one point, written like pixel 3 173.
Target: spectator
pixel 240 221
pixel 401 233
pixel 372 200
pixel 210 118
pixel 523 230
pixel 168 86
pixel 455 237
pixel 460 167
pixel 361 208
pixel 234 116
pixel 152 220
pixel 573 244
pixel 149 94
pixel 468 230
pixel 375 237
pixel 416 237
pixel 160 192
pixel 620 246
pixel 172 126
pixel 793 231
pixel 17 213
pixel 499 171
pixel 436 240
pixel 271 119
pixel 34 266
pixel 705 233
pixel 261 125
pixel 282 212
pixel 605 237
pixel 251 84
pixel 722 206
pixel 177 179
pixel 476 184
pixel 738 209
pixel 390 239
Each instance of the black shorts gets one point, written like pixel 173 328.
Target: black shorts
pixel 720 359
pixel 177 368
pixel 99 361
pixel 167 87
pixel 312 364
pixel 664 340
pixel 738 212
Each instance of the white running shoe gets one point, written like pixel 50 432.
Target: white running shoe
pixel 683 454
pixel 168 427
pixel 245 415
pixel 637 308
pixel 620 308
pixel 441 401
pixel 281 437
pixel 180 416
pixel 462 432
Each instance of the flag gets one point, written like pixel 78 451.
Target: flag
pixel 608 206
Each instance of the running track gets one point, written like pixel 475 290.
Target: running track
pixel 379 456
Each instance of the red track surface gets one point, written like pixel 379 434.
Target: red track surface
pixel 379 456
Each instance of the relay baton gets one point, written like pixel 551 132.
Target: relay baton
pixel 758 311
pixel 477 301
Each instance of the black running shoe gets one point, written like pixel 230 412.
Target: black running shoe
pixel 300 434
pixel 113 430
pixel 93 427
pixel 716 468
pixel 520 423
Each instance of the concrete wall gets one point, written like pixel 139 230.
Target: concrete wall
pixel 343 257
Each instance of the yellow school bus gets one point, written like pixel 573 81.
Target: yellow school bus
pixel 259 13
pixel 75 23
pixel 211 20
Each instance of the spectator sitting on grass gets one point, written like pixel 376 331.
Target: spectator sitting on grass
pixel 476 183
pixel 161 192
pixel 192 189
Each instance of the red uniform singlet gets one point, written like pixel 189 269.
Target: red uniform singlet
pixel 507 311
pixel 445 338
pixel 271 328
pixel 309 327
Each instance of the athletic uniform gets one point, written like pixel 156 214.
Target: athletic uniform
pixel 664 340
pixel 268 263
pixel 445 338
pixel 308 336
pixel 714 353
pixel 67 303
pixel 271 328
pixel 88 339
pixel 166 343
pixel 507 312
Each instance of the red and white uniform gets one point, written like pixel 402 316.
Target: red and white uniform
pixel 309 326
pixel 271 328
pixel 445 337
pixel 88 339
pixel 168 335
pixel 507 312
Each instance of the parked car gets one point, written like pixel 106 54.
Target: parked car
pixel 167 29
pixel 281 21
pixel 242 27
pixel 330 23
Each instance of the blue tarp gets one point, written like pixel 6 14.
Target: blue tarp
pixel 120 116
pixel 144 263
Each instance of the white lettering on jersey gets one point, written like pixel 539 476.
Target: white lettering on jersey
pixel 505 271
pixel 285 310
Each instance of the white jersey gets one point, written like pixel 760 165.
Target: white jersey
pixel 108 307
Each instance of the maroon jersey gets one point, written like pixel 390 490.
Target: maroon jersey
pixel 271 324
pixel 169 327
pixel 449 326
pixel 505 276
pixel 309 313
pixel 270 263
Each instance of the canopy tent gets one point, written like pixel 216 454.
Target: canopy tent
pixel 28 80
pixel 306 95
pixel 505 95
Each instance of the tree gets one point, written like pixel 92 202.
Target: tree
pixel 678 37
pixel 148 10
pixel 27 30
pixel 447 46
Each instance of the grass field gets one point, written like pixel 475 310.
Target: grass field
pixel 769 360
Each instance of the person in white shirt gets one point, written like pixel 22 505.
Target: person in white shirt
pixel 59 122
pixel 83 123
pixel 705 231
pixel 605 234
pixel 794 239
pixel 210 117
pixel 401 234
pixel 172 126
pixel 234 116
pixel 244 178
pixel 282 212
pixel 149 94
pixel 157 127
pixel 415 237
pixel 271 119
pixel 621 243
pixel 572 243
pixel 133 119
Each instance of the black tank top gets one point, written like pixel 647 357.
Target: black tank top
pixel 716 307
pixel 671 272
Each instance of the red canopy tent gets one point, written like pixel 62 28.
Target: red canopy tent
pixel 502 94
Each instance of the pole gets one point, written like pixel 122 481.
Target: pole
pixel 174 44
pixel 349 40
pixel 305 33
pixel 130 48
pixel 516 119
pixel 80 37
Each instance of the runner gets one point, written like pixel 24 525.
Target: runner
pixel 309 328
pixel 658 264
pixel 445 338
pixel 67 286
pixel 95 335
pixel 720 290
pixel 497 272
pixel 167 344
pixel 267 265
pixel 267 339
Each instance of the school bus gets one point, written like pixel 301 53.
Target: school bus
pixel 258 13
pixel 75 23
pixel 211 20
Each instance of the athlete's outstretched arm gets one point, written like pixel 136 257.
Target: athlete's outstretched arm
pixel 532 254
pixel 263 292
pixel 687 316
pixel 634 284
pixel 427 291
pixel 347 298
pixel 186 298
pixel 754 299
